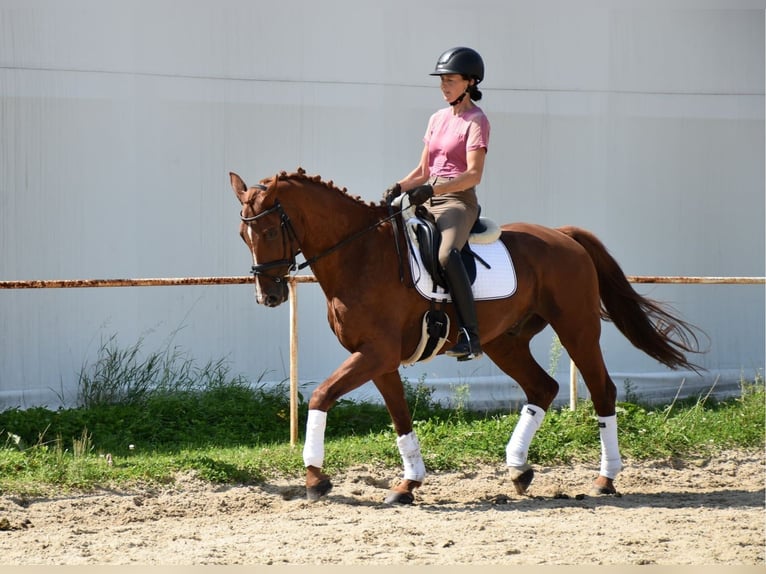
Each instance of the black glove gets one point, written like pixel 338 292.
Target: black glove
pixel 392 193
pixel 420 194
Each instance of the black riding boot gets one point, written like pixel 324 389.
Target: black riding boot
pixel 468 346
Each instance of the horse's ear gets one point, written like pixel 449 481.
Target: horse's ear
pixel 237 185
pixel 271 190
pixel 273 184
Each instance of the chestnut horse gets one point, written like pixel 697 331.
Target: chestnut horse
pixel 565 278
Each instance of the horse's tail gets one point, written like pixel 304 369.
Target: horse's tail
pixel 649 325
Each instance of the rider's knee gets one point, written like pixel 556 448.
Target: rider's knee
pixel 446 256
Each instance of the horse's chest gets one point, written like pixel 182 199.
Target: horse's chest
pixel 338 315
pixel 343 322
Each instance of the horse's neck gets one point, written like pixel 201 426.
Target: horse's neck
pixel 328 217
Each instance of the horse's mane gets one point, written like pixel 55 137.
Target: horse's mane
pixel 301 175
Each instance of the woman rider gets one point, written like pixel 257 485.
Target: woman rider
pixel 445 180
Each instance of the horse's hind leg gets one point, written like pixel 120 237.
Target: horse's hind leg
pixel 511 353
pixel 582 344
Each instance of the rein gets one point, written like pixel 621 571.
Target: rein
pixel 347 240
pixel 292 237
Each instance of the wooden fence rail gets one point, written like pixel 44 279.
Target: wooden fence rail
pixel 239 280
pixel 293 282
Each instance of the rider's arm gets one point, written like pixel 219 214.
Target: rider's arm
pixel 419 175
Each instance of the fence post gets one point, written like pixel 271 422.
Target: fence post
pixel 572 385
pixel 293 294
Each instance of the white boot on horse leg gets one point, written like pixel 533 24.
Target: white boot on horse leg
pixel 518 447
pixel 414 470
pixel 317 483
pixel 611 463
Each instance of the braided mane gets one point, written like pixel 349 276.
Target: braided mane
pixel 301 175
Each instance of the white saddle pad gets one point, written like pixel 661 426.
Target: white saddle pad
pixel 498 282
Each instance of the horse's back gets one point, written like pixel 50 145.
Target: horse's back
pixel 535 239
pixel 550 257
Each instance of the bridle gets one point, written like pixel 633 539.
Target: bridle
pixel 290 240
pixel 288 237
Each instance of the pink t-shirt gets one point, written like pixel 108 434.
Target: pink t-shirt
pixel 450 137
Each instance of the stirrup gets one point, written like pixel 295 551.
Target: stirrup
pixel 465 349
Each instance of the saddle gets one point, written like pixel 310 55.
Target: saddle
pixel 428 239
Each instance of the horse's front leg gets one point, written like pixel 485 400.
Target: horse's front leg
pixel 391 388
pixel 356 370
pixel 317 483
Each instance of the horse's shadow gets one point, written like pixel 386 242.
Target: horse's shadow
pixel 717 499
pixel 298 494
pixel 673 500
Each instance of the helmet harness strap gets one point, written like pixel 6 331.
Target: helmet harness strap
pixel 460 99
pixel 464 94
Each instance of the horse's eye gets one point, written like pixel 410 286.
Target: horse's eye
pixel 271 234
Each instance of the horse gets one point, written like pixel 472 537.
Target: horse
pixel 566 278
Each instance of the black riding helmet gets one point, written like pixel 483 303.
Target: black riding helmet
pixel 460 60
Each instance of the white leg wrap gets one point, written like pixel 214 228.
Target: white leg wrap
pixel 313 448
pixel 409 448
pixel 518 447
pixel 611 463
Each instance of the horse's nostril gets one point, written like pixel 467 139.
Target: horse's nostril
pixel 272 301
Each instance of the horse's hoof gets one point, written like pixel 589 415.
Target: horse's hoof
pixel 604 491
pixel 396 497
pixel 314 493
pixel 603 486
pixel 522 477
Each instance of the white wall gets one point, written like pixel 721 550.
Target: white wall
pixel 119 123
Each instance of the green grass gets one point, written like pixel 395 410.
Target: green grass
pixel 227 430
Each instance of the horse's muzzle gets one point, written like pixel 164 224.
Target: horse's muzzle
pixel 273 301
pixel 274 295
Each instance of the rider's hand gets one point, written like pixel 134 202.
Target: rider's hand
pixel 420 194
pixel 392 193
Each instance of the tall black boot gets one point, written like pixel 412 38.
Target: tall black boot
pixel 468 346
